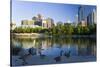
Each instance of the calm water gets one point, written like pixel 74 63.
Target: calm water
pixel 53 46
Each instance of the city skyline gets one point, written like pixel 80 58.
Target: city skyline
pixel 22 10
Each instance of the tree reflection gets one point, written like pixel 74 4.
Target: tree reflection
pixel 82 46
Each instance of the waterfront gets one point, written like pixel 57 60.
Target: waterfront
pixel 79 49
pixel 52 33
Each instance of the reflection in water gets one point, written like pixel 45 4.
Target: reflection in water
pixel 55 47
pixel 78 47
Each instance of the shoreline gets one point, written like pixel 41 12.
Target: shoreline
pixel 41 35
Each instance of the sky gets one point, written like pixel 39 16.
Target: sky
pixel 22 10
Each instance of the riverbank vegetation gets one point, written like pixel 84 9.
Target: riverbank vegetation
pixel 59 30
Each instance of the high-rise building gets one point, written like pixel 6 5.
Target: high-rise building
pixel 44 23
pixel 83 23
pixel 38 19
pixel 76 21
pixel 92 18
pixel 81 15
pixel 48 23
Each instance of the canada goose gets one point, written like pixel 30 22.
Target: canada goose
pixel 67 54
pixel 24 54
pixel 32 51
pixel 23 58
pixel 58 58
pixel 42 55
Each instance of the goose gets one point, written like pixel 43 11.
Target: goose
pixel 42 55
pixel 58 58
pixel 32 51
pixel 67 54
pixel 26 54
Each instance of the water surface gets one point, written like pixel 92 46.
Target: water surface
pixel 81 49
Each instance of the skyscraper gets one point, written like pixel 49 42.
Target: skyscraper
pixel 76 20
pixel 50 22
pixel 92 17
pixel 81 15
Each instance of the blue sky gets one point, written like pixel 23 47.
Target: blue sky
pixel 58 12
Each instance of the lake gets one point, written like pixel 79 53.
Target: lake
pixel 52 50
